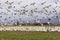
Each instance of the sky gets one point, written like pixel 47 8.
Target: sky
pixel 29 11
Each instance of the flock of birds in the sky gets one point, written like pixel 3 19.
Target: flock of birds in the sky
pixel 29 11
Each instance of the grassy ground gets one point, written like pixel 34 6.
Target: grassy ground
pixel 17 35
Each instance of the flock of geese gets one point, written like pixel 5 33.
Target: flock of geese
pixel 28 11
